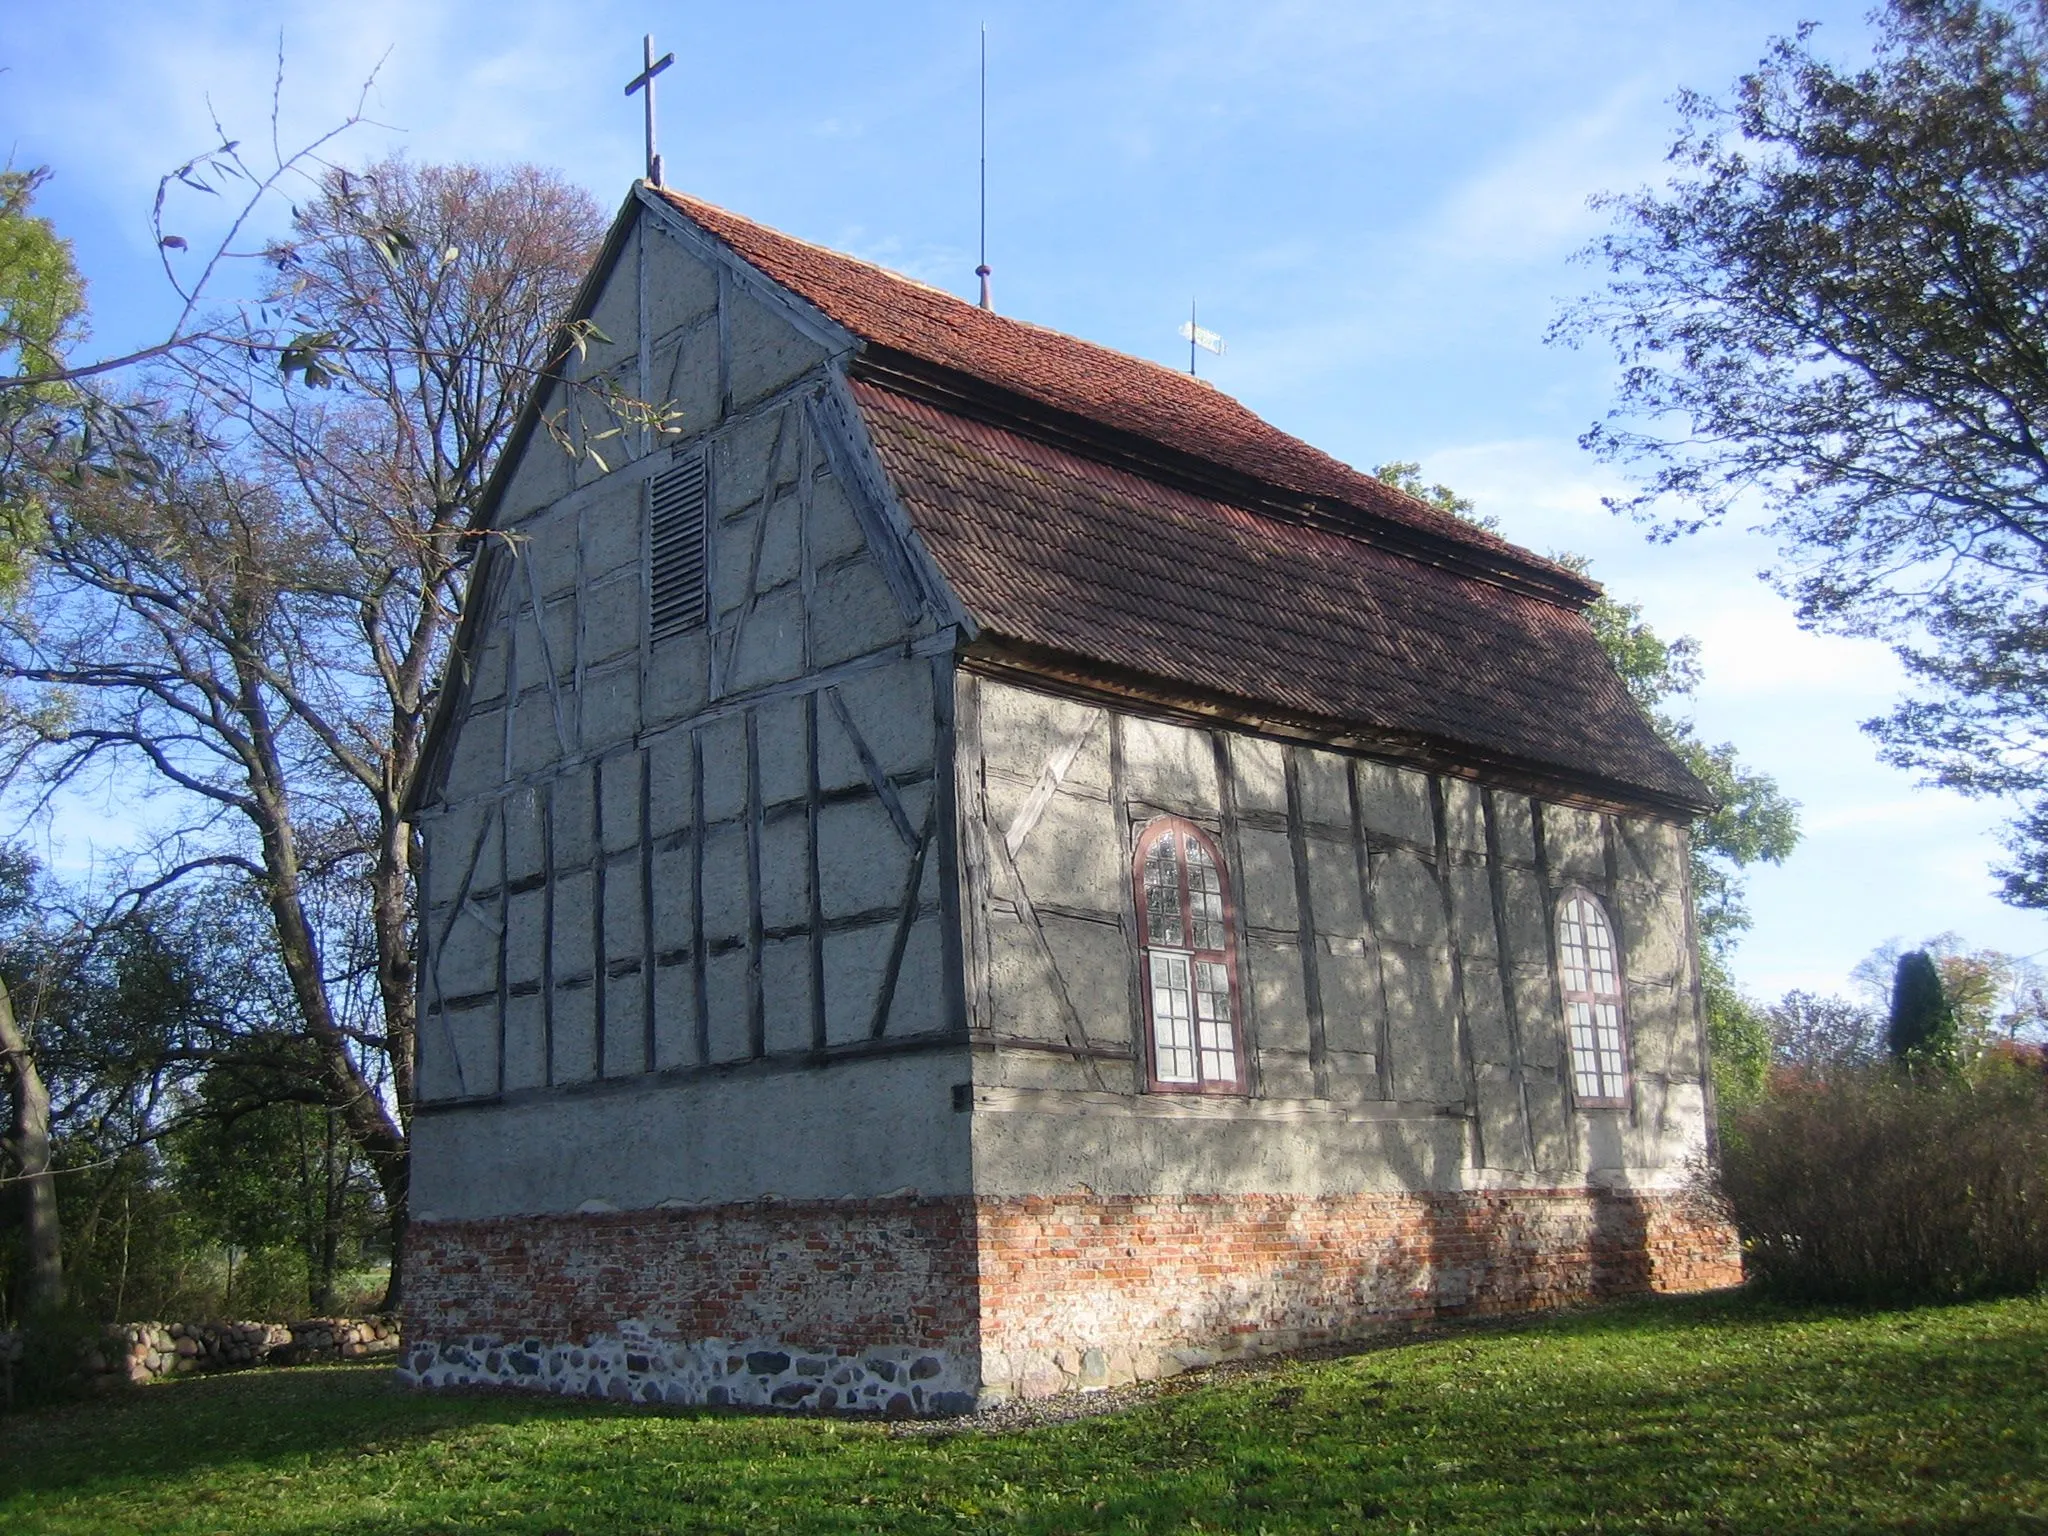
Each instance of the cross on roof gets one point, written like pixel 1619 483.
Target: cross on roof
pixel 644 81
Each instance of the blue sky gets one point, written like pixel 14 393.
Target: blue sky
pixel 1377 204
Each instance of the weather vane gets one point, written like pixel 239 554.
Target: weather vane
pixel 1196 336
pixel 644 81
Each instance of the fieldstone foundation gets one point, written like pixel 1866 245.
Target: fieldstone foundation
pixel 849 1306
pixel 917 1306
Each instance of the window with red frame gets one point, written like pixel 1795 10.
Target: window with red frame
pixel 1188 961
pixel 1595 1011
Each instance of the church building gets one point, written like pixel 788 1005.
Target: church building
pixel 960 864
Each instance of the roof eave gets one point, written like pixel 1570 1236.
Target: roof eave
pixel 1086 677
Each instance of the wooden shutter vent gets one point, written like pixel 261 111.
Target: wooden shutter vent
pixel 676 514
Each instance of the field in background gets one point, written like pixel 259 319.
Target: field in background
pixel 1717 1414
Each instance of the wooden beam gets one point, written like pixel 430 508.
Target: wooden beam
pixel 701 984
pixel 724 341
pixel 760 534
pixel 915 580
pixel 599 878
pixel 757 1019
pixel 649 1045
pixel 1034 929
pixel 547 659
pixel 972 822
pixel 1049 781
pixel 816 933
pixel 456 911
pixel 1463 1020
pixel 1229 828
pixel 1305 928
pixel 878 780
pixel 946 795
pixel 1496 885
pixel 1082 1104
pixel 546 798
pixel 1567 1078
pixel 906 919
pixel 1383 1026
pixel 504 958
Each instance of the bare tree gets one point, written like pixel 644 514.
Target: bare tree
pixel 257 626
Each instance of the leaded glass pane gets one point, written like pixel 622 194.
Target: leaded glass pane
pixel 1606 977
pixel 1173 1029
pixel 1212 1022
pixel 1162 895
pixel 1205 895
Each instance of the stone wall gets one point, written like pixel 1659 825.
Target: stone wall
pixel 134 1354
pixel 853 1305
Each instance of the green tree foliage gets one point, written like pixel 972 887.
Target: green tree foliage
pixel 265 1170
pixel 1833 312
pixel 1406 475
pixel 1921 1031
pixel 42 310
pixel 1754 820
pixel 42 300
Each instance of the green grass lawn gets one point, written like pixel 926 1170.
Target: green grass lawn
pixel 1716 1414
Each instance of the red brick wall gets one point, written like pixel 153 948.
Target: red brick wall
pixel 823 1275
pixel 914 1305
pixel 1081 1290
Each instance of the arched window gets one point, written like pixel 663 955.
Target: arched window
pixel 1594 1009
pixel 1188 962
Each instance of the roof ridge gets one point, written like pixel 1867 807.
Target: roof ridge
pixel 1087 379
pixel 687 203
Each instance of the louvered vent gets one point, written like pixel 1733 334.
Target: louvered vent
pixel 676 510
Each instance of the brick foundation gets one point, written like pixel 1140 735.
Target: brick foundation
pixel 850 1305
pixel 923 1306
pixel 1081 1291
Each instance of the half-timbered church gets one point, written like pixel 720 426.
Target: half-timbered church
pixel 962 863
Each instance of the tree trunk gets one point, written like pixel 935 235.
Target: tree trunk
pixel 28 1137
pixel 394 1288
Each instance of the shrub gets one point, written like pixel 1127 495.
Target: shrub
pixel 1874 1184
pixel 1922 1029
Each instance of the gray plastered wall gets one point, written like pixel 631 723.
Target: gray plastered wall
pixel 1397 980
pixel 677 887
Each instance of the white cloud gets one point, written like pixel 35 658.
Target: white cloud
pixel 1530 204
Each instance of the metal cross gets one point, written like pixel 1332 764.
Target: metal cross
pixel 645 81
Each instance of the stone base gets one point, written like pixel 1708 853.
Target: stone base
pixel 928 1306
pixel 853 1305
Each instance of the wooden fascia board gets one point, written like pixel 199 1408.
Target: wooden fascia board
pixel 838 422
pixel 966 395
pixel 1096 683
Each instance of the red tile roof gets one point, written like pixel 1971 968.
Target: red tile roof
pixel 1057 550
pixel 1054 548
pixel 1109 388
